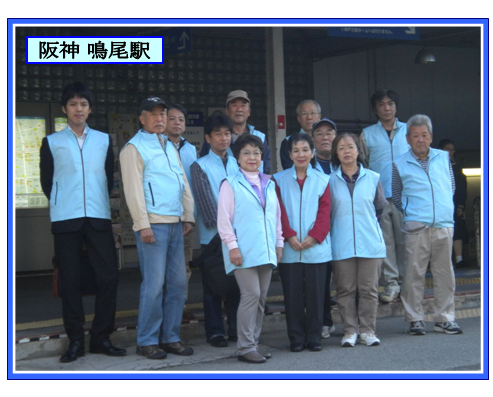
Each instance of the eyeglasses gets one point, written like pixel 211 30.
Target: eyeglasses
pixel 312 114
pixel 247 153
pixel 324 134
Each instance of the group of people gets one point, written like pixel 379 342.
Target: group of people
pixel 366 208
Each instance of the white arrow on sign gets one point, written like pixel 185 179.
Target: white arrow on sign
pixel 184 37
pixel 410 31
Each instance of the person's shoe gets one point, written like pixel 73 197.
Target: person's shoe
pixel 369 339
pixel 389 296
pixel 75 349
pixel 417 328
pixel 233 338
pixel 349 340
pixel 265 354
pixel 107 348
pixel 153 352
pixel 188 315
pixel 326 331
pixel 462 264
pixel 218 341
pixel 252 358
pixel 177 348
pixel 314 347
pixel 448 327
pixel 297 347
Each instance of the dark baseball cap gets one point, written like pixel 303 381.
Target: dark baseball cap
pixel 150 103
pixel 324 120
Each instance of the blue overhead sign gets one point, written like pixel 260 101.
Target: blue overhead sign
pixel 376 32
pixel 177 40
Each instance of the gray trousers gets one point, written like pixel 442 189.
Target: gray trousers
pixel 357 275
pixel 254 283
pixel 393 266
pixel 434 246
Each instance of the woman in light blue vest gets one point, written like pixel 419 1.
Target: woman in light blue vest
pixel 249 223
pixel 358 248
pixel 304 196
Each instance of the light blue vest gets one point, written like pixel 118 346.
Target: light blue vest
pixel 255 227
pixel 80 188
pixel 213 167
pixel 261 135
pixel 427 197
pixel 302 208
pixel 163 178
pixel 355 231
pixel 188 155
pixel 383 151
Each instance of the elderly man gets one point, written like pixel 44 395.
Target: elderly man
pixel 175 127
pixel 308 112
pixel 238 110
pixel 208 172
pixel 159 199
pixel 77 176
pixel 323 133
pixel 422 188
pixel 381 143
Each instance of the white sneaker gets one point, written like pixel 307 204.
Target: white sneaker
pixel 349 340
pixel 326 331
pixel 369 339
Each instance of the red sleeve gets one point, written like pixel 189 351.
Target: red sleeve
pixel 322 224
pixel 286 229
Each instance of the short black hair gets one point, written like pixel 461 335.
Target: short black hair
pixel 445 142
pixel 334 159
pixel 247 139
pixel 178 107
pixel 380 94
pixel 217 120
pixel 301 137
pixel 76 89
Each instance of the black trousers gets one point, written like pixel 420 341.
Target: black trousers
pixel 303 285
pixel 102 255
pixel 327 308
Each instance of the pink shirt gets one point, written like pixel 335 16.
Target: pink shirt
pixel 226 209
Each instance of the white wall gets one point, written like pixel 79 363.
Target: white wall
pixel 448 91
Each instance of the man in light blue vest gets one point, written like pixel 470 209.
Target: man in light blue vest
pixel 308 113
pixel 77 176
pixel 207 174
pixel 177 118
pixel 161 205
pixel 238 110
pixel 423 188
pixel 381 143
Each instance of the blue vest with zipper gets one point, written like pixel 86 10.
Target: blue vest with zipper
pixel 188 155
pixel 255 227
pixel 80 188
pixel 427 197
pixel 355 231
pixel 213 167
pixel 302 208
pixel 163 177
pixel 383 152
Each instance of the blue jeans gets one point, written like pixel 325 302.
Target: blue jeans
pixel 164 285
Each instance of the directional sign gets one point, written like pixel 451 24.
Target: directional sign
pixel 376 32
pixel 177 40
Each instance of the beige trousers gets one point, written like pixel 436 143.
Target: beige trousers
pixel 434 246
pixel 393 266
pixel 254 283
pixel 357 275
